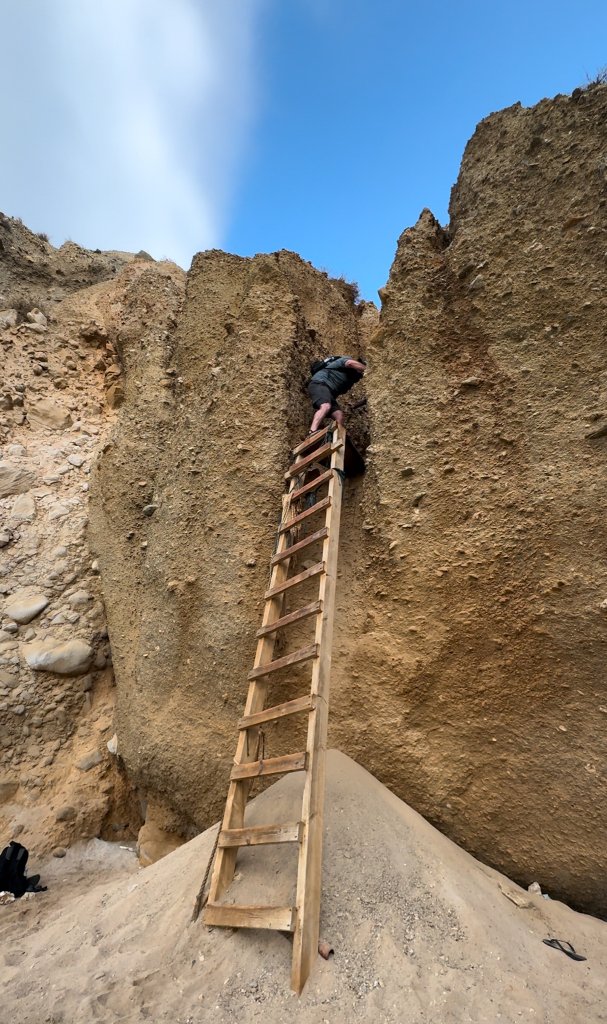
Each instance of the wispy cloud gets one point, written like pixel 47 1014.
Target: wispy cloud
pixel 125 121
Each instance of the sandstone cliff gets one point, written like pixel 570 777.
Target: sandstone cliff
pixel 61 311
pixel 471 624
pixel 490 383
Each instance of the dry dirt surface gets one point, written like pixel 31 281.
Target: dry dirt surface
pixel 421 931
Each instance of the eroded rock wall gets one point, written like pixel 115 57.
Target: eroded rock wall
pixel 485 502
pixel 470 630
pixel 186 505
pixel 61 313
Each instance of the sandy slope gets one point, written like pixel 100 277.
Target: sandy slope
pixel 422 932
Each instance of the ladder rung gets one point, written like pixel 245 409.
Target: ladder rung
pixel 261 835
pixel 270 766
pixel 290 707
pixel 312 486
pixel 281 919
pixel 310 440
pixel 314 570
pixel 320 453
pixel 310 539
pixel 286 620
pixel 318 507
pixel 303 654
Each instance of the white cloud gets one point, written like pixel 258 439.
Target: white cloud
pixel 124 121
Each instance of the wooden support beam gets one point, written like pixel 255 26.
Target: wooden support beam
pixel 303 654
pixel 301 464
pixel 314 570
pixel 261 835
pixel 290 707
pixel 270 766
pixel 312 538
pixel 319 506
pixel 313 485
pixel 310 441
pixel 287 620
pixel 280 919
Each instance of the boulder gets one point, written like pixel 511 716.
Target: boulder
pixel 14 479
pixel 71 658
pixel 25 607
pixel 48 414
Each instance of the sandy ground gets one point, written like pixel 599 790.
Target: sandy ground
pixel 422 933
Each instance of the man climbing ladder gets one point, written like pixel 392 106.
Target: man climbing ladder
pixel 331 377
pixel 322 453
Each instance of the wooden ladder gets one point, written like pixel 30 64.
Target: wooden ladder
pixel 322 454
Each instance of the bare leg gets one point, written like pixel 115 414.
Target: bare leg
pixel 338 416
pixel 319 416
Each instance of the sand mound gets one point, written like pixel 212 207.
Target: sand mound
pixel 422 932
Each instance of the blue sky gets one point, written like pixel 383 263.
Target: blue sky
pixel 322 126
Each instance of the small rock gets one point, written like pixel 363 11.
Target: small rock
pixel 58 511
pixel 75 460
pixel 8 788
pixel 14 479
pixel 71 658
pixel 471 382
pixel 48 414
pixel 80 599
pixel 477 284
pixel 66 813
pixel 8 318
pixel 534 887
pixel 23 608
pixel 89 761
pixel 112 744
pixel 148 510
pixel 599 432
pixel 59 851
pixel 24 509
pixel 407 471
pixel 36 316
pixel 417 500
pixel 251 563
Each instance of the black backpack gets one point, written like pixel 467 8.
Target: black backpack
pixel 319 364
pixel 13 861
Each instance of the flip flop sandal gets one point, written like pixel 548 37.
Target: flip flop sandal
pixel 561 944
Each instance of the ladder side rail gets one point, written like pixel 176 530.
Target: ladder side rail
pixel 238 790
pixel 309 872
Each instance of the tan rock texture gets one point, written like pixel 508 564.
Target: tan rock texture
pixel 65 308
pixel 202 441
pixel 490 382
pixel 470 634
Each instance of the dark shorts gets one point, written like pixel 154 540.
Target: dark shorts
pixel 320 394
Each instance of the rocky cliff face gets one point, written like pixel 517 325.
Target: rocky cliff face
pixel 470 631
pixel 471 620
pixel 61 312
pixel 485 499
pixel 186 505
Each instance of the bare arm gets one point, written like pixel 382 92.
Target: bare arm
pixel 355 365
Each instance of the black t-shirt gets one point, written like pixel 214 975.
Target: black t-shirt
pixel 338 377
